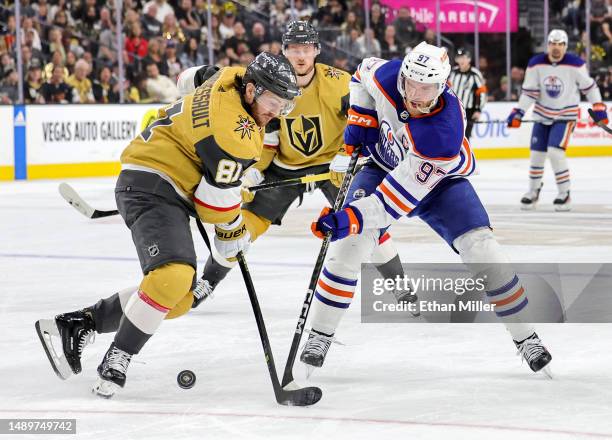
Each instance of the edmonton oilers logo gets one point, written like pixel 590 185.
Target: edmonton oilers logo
pixel 554 86
pixel 359 194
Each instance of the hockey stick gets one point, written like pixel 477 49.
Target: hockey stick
pixel 599 122
pixel 299 329
pixel 296 397
pixel 290 182
pixel 526 121
pixel 77 202
pixel 71 196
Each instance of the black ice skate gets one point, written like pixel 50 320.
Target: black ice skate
pixel 534 352
pixel 315 350
pixel 405 297
pixel 203 290
pixel 563 202
pixel 530 199
pixel 75 330
pixel 111 372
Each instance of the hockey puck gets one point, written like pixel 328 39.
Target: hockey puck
pixel 186 379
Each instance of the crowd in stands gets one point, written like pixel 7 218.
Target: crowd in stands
pixel 70 54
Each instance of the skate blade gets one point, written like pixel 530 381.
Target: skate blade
pixel 104 388
pixel 530 207
pixel 547 372
pixel 46 328
pixel 309 370
pixel 563 208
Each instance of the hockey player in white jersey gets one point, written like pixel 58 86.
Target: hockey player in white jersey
pixel 553 83
pixel 412 127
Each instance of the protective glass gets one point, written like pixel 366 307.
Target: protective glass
pixel 271 103
pixel 301 50
pixel 416 91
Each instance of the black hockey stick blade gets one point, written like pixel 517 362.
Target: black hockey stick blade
pixel 76 201
pixel 599 122
pixel 300 397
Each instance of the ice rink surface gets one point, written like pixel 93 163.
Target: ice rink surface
pixel 417 381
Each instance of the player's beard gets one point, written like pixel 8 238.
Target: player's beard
pixel 308 72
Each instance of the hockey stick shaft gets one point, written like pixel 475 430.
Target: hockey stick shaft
pixel 525 121
pixel 299 329
pixel 300 397
pixel 77 202
pixel 290 182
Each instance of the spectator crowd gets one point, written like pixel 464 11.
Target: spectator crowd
pixel 69 48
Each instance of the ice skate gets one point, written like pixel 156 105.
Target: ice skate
pixel 315 350
pixel 536 355
pixel 530 199
pixel 111 372
pixel 75 330
pixel 562 202
pixel 203 290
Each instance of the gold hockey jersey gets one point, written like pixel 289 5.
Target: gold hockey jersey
pixel 313 132
pixel 200 145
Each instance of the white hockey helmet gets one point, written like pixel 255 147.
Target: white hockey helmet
pixel 557 36
pixel 426 64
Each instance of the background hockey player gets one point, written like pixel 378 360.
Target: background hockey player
pixel 187 162
pixel 301 143
pixel 553 82
pixel 412 126
pixel 469 86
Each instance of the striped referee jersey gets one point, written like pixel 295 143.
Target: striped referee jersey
pixel 469 87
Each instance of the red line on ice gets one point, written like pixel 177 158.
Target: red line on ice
pixel 325 418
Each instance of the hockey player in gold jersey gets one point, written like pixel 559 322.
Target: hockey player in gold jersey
pixel 301 143
pixel 189 161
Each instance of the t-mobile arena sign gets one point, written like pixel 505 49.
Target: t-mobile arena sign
pixel 460 15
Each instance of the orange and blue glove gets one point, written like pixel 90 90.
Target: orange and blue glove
pixel 515 118
pixel 361 127
pixel 341 224
pixel 599 109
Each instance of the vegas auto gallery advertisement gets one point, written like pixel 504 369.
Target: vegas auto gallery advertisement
pixel 81 133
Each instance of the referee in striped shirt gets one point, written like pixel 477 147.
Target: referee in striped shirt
pixel 469 86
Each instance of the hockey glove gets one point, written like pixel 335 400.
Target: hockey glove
pixel 340 224
pixel 252 176
pixel 362 127
pixel 515 118
pixel 339 165
pixel 601 113
pixel 231 238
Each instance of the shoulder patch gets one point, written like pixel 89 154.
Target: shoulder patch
pixel 332 72
pixel 245 126
pixel 233 128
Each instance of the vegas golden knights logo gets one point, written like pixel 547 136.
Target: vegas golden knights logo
pixel 305 134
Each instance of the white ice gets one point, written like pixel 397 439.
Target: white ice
pixel 390 381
